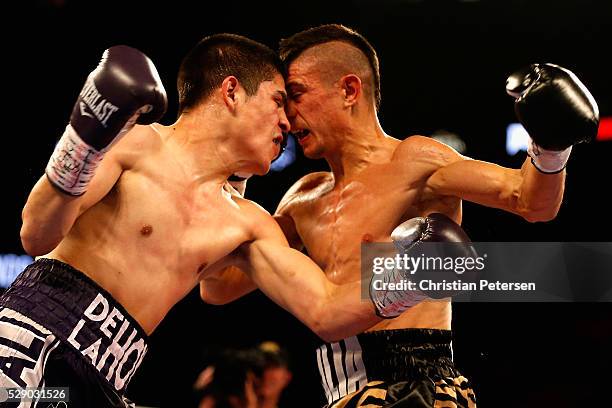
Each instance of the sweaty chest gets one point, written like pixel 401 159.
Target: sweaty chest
pixel 334 224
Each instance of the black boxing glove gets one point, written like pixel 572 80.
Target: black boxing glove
pixel 557 111
pixel 123 90
pixel 409 238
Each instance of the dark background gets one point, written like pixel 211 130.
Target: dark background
pixel 443 66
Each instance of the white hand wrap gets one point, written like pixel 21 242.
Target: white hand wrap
pixel 548 161
pixel 73 163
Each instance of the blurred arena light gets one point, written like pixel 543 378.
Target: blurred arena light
pixel 287 157
pixel 11 265
pixel 517 137
pixel 451 139
pixel 605 129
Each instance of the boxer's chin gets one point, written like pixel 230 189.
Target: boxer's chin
pixel 264 171
pixel 313 152
pixel 257 165
pixel 261 168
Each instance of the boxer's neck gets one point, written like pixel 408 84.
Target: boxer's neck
pixel 361 144
pixel 200 144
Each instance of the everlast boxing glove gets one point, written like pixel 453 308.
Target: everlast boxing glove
pixel 414 238
pixel 557 111
pixel 123 90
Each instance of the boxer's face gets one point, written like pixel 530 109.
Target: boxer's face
pixel 273 381
pixel 314 108
pixel 263 122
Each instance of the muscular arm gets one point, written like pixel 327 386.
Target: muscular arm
pixel 49 214
pixel 232 283
pixel 298 285
pixel 526 191
pixel 558 112
pixel 81 166
pixel 225 286
pixel 229 283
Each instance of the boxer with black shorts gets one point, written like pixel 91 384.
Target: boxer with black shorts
pixel 131 215
pixel 377 181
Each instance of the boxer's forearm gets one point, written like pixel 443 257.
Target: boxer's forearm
pixel 79 172
pixel 47 217
pixel 297 284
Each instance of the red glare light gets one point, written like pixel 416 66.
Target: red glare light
pixel 605 129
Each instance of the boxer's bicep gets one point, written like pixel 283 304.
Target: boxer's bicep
pixel 225 286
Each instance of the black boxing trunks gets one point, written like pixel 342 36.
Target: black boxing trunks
pixel 58 328
pixel 409 368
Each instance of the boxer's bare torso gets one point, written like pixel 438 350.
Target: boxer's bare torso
pixel 331 218
pixel 158 230
pixel 159 216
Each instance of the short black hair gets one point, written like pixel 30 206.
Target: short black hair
pixel 292 47
pixel 218 56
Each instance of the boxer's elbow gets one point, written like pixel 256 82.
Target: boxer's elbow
pixel 322 323
pixel 215 301
pixel 35 246
pixel 540 213
pixel 29 241
pixel 215 296
pixel 537 210
pixel 323 331
pixel 540 216
pixel 34 239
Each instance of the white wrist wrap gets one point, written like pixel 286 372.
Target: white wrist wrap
pixel 73 163
pixel 548 161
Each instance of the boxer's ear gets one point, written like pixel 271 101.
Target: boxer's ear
pixel 229 91
pixel 351 89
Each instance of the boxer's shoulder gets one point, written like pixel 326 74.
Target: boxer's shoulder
pixel 257 220
pixel 304 190
pixel 138 144
pixel 425 150
pixel 419 145
pixel 311 181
